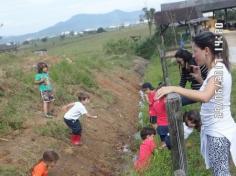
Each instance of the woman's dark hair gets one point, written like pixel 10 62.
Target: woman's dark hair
pixel 184 54
pixel 40 66
pixel 82 96
pixel 147 131
pixel 208 39
pixel 194 117
pixel 147 85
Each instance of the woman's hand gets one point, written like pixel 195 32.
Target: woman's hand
pixel 163 91
pixel 196 73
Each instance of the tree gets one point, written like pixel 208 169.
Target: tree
pixel 72 33
pixel 62 36
pixel 44 39
pixel 100 30
pixel 149 16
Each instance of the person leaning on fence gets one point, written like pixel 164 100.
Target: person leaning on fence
pixel 146 149
pixel 45 88
pixel 218 129
pixel 189 72
pixel 74 112
pixel 48 161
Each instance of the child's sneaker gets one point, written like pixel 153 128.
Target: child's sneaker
pixel 48 115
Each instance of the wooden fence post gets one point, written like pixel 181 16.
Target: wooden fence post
pixel 176 131
pixel 173 106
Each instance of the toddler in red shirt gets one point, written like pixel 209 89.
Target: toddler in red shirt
pixel 146 149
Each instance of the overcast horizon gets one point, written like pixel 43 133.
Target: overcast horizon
pixel 28 16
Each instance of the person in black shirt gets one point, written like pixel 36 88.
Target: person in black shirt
pixel 190 72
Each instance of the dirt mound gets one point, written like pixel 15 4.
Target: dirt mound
pixel 103 138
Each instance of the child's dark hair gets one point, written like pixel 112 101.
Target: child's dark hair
pixel 147 85
pixel 207 39
pixel 48 156
pixel 194 117
pixel 147 131
pixel 82 96
pixel 40 66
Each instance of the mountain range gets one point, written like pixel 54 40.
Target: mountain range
pixel 81 22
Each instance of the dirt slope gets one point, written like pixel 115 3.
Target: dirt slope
pixel 103 137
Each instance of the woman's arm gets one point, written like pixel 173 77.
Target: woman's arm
pixel 202 96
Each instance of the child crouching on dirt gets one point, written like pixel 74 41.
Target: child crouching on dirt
pixel 192 119
pixel 146 149
pixel 48 161
pixel 45 88
pixel 75 111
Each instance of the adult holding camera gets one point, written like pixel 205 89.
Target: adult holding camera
pixel 190 72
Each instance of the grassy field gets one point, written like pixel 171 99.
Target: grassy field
pixel 161 162
pixel 73 62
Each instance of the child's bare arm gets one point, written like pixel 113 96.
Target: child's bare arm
pixel 146 97
pixel 39 81
pixel 91 116
pixel 68 106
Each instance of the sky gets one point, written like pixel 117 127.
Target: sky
pixel 26 16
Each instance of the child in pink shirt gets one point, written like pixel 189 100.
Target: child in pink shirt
pixel 146 149
pixel 149 94
pixel 159 107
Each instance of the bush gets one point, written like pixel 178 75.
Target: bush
pixel 121 46
pixel 54 129
pixel 11 118
pixel 146 48
pixel 66 74
pixel 10 171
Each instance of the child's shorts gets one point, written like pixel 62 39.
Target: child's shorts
pixel 74 125
pixel 153 119
pixel 47 96
pixel 163 132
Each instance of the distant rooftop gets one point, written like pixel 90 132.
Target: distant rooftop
pixel 189 10
pixel 202 5
pixel 178 15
